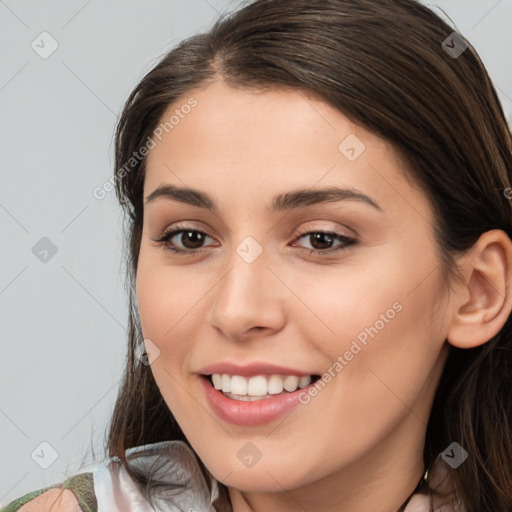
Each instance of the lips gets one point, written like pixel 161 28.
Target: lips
pixel 253 394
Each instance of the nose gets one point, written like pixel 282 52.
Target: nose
pixel 249 300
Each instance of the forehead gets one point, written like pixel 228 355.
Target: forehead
pixel 254 144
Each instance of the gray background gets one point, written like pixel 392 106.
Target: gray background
pixel 63 320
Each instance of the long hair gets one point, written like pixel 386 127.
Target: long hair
pixel 390 67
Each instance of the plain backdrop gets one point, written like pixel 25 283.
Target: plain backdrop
pixel 66 69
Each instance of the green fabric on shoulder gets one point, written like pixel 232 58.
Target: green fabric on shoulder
pixel 81 485
pixel 18 503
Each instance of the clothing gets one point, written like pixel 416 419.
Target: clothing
pixel 109 487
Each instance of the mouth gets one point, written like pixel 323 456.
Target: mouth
pixel 255 399
pixel 258 387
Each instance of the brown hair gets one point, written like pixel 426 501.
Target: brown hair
pixel 383 65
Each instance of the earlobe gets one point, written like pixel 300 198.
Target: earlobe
pixel 483 301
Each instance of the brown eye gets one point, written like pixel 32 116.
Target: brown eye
pixel 191 239
pixel 322 242
pixel 183 240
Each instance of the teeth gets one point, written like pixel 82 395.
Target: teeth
pixel 226 383
pixel 291 383
pixel 304 381
pixel 259 385
pixel 217 381
pixel 256 386
pixel 275 385
pixel 238 385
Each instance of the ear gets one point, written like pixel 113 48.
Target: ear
pixel 482 302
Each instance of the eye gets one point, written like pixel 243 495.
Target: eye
pixel 322 242
pixel 191 239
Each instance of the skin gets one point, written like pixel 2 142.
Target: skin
pixel 358 444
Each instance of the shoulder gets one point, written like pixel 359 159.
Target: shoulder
pixel 76 494
pixel 53 500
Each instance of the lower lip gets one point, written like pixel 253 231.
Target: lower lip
pixel 250 414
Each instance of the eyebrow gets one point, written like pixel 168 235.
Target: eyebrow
pixel 280 202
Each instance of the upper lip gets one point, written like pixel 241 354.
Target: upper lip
pixel 251 369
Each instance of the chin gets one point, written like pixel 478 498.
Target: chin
pixel 265 476
pixel 259 482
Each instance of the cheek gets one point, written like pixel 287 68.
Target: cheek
pixel 389 364
pixel 336 306
pixel 166 299
pixel 375 327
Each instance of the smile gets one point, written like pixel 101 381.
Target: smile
pixel 258 387
pixel 257 400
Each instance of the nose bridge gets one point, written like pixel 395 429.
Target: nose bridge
pixel 247 295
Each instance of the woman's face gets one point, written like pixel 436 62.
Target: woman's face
pixel 247 299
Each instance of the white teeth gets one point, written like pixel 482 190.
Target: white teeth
pixel 259 385
pixel 217 381
pixel 275 385
pixel 238 385
pixel 304 381
pixel 226 383
pixel 291 383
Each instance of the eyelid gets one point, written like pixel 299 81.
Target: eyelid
pixel 338 231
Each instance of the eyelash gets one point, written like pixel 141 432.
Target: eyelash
pixel 165 237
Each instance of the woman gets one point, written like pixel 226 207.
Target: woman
pixel 320 267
